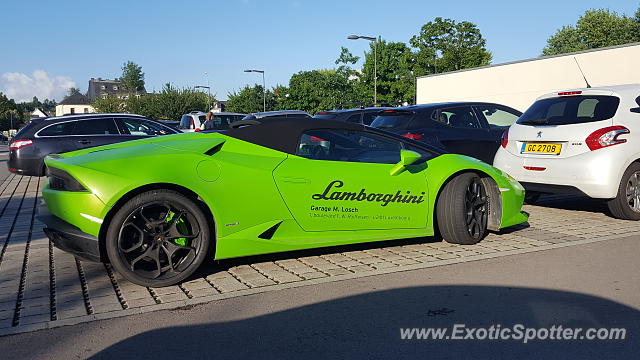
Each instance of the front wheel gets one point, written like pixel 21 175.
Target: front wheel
pixel 158 238
pixel 462 210
pixel 626 205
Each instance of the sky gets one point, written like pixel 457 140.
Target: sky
pixel 49 46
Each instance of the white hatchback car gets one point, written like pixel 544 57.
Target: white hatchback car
pixel 582 141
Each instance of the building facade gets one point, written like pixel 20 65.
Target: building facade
pixel 518 84
pixel 102 88
pixel 74 104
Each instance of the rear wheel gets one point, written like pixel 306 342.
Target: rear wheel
pixel 626 205
pixel 462 210
pixel 158 238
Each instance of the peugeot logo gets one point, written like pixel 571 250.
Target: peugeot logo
pixel 539 134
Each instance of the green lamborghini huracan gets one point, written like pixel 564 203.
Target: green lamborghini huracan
pixel 156 208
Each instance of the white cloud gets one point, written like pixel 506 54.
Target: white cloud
pixel 23 87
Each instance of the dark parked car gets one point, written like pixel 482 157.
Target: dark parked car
pixel 40 138
pixel 468 128
pixel 171 123
pixel 359 116
pixel 285 113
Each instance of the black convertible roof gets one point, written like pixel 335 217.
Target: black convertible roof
pixel 283 133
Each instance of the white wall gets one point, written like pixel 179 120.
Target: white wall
pixel 519 84
pixel 79 109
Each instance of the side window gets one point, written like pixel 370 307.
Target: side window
pixel 142 127
pixel 349 146
pixel 460 117
pixel 221 121
pixel 65 128
pixel 367 118
pixel 497 117
pixel 354 118
pixel 96 127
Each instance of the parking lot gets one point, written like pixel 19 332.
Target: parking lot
pixel 43 287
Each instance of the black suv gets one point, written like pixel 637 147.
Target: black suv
pixel 468 128
pixel 362 116
pixel 42 137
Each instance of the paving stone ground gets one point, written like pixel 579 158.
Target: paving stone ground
pixel 43 287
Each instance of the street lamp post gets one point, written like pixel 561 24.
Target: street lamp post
pixel 375 62
pixel 208 90
pixel 264 87
pixel 206 75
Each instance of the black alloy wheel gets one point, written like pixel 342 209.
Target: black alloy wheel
pixel 476 209
pixel 158 238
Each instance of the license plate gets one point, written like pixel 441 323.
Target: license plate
pixel 541 148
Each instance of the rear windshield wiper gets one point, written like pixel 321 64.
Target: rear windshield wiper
pixel 534 122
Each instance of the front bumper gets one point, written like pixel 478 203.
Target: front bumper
pixel 69 238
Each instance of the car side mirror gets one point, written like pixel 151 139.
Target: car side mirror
pixel 407 157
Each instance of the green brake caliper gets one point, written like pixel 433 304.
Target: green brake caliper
pixel 182 229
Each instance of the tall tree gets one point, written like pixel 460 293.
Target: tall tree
pixel 73 90
pixel 594 29
pixel 170 103
pixel 250 100
pixel 394 72
pixel 345 62
pixel 317 90
pixel 132 77
pixel 446 45
pixel 10 115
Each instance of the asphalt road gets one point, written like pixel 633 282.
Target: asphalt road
pixel 593 285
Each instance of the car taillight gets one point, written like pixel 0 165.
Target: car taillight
pixel 606 137
pixel 534 168
pixel 504 140
pixel 17 144
pixel 413 136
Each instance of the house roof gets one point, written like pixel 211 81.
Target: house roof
pixel 95 88
pixel 75 99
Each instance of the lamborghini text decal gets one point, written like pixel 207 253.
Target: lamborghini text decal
pixel 330 194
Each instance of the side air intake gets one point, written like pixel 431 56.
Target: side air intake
pixel 268 234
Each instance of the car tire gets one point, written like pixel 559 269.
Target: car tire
pixel 531 197
pixel 158 238
pixel 462 210
pixel 626 205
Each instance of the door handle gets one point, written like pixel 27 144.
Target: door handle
pixel 84 142
pixel 295 180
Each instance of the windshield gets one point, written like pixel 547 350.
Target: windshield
pixel 325 116
pixel 185 122
pixel 570 110
pixel 392 120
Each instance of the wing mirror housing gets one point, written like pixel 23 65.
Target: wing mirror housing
pixel 407 157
